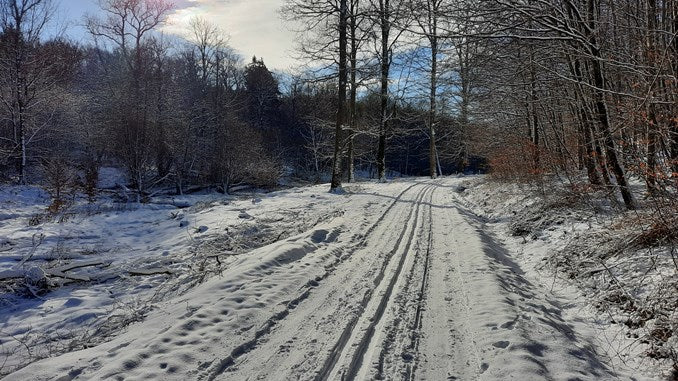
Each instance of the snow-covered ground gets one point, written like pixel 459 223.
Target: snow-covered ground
pixel 142 254
pixel 587 252
pixel 387 281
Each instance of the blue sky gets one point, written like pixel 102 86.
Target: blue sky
pixel 69 14
pixel 254 26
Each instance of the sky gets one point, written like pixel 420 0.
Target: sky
pixel 254 26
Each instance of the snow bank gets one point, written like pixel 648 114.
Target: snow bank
pixel 582 247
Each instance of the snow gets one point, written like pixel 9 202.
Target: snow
pixel 566 243
pixel 130 239
pixel 384 280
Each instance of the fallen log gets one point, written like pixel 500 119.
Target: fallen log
pixel 59 272
pixel 154 271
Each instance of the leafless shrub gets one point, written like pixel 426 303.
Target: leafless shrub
pixel 59 180
pixel 627 268
pixel 90 178
pixel 657 230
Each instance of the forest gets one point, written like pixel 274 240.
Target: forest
pixel 178 113
pixel 584 90
pixel 578 95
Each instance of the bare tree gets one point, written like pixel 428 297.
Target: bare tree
pixel 335 185
pixel 575 26
pixel 324 40
pixel 358 36
pixel 208 40
pixel 128 25
pixel 428 15
pixel 390 18
pixel 26 75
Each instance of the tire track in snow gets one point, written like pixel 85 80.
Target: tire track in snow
pixel 368 344
pixel 292 351
pixel 215 370
pixel 364 341
pixel 398 343
pixel 415 333
pixel 463 361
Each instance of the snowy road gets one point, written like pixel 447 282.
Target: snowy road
pixel 403 283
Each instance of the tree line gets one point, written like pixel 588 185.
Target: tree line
pixel 583 89
pixel 178 113
pixel 538 87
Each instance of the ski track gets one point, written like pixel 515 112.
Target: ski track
pixel 362 239
pixel 365 338
pixel 416 291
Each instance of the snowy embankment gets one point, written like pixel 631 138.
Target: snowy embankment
pixel 386 281
pixel 624 285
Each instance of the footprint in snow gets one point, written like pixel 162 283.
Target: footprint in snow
pixel 73 302
pixel 319 236
pixel 243 215
pixel 407 357
pixel 509 325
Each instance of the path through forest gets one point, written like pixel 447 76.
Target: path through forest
pixel 403 284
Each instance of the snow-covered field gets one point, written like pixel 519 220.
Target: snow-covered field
pixel 141 254
pixel 388 281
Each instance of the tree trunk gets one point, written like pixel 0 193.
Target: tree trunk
pixel 432 98
pixel 22 137
pixel 21 91
pixel 591 155
pixel 350 155
pixel 652 123
pixel 350 158
pixel 604 121
pixel 381 158
pixel 535 117
pixel 384 15
pixel 341 97
pixel 464 78
pixel 601 106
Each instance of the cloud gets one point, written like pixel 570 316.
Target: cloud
pixel 254 27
